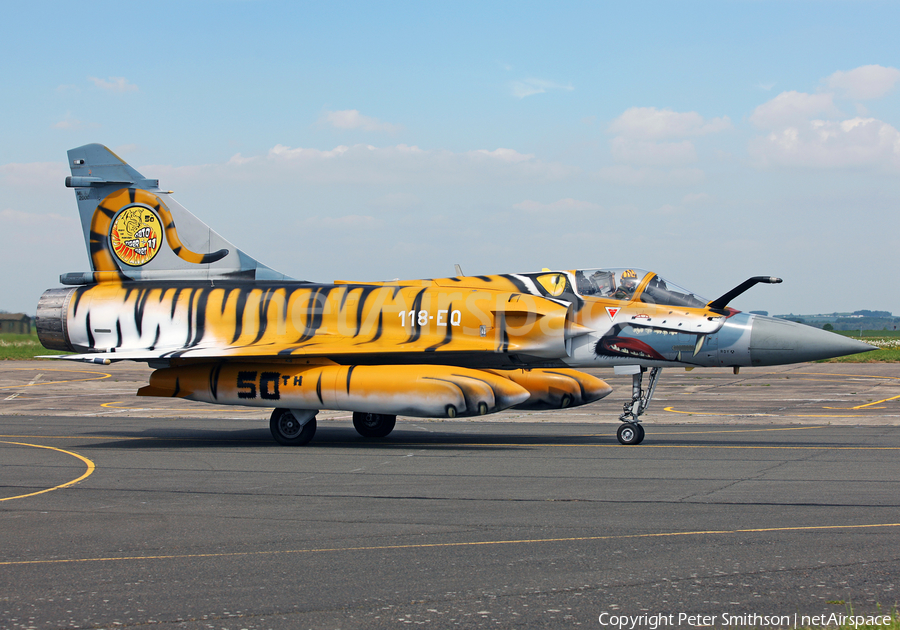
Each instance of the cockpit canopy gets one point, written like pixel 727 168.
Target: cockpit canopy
pixel 621 284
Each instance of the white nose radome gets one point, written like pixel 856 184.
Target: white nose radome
pixel 778 341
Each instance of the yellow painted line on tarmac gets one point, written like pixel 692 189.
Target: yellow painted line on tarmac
pixel 877 402
pixel 115 405
pixel 656 426
pixel 72 437
pixel 813 380
pixel 765 415
pixel 867 405
pixel 126 437
pixel 476 543
pixel 90 469
pixel 112 405
pixel 845 376
pixel 792 375
pixel 122 438
pixel 97 376
pixel 831 377
pixel 824 447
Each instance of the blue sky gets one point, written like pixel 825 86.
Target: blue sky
pixel 709 141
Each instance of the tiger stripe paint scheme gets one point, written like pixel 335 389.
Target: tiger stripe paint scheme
pixel 102 249
pixel 240 320
pixel 417 390
pixel 438 391
pixel 219 326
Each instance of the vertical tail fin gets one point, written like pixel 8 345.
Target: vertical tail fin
pixel 135 231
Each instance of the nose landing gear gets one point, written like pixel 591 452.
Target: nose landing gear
pixel 631 432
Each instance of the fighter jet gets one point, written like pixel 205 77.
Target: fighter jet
pixel 220 327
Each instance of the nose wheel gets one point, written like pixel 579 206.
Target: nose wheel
pixel 630 433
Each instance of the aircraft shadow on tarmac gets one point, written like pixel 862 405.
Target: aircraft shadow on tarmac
pixel 326 438
pixel 347 438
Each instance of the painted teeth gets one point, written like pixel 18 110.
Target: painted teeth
pixel 630 352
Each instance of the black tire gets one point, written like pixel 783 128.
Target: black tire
pixel 287 430
pixel 641 431
pixel 373 425
pixel 629 433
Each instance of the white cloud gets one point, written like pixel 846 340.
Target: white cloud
pixel 280 151
pixel 352 119
pixel 114 84
pixel 31 174
pixel 668 209
pixel 650 123
pixel 567 205
pixel 652 153
pixel 792 107
pixel 504 155
pixel 369 164
pixel 529 87
pixel 239 160
pixel 355 222
pixel 26 232
pixel 69 123
pixel 397 201
pixel 691 205
pixel 692 199
pixel 865 82
pixel 641 140
pixel 645 176
pixel 126 148
pixel 39 222
pixel 853 143
pixel 808 130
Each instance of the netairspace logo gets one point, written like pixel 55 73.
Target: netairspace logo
pixel 726 620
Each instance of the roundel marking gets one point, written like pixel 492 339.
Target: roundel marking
pixel 136 235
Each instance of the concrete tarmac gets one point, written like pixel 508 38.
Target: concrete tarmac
pixel 754 498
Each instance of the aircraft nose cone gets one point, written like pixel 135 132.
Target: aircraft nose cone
pixel 777 341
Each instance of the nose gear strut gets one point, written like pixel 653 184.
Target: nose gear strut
pixel 632 432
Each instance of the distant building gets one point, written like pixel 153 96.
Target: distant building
pixel 18 323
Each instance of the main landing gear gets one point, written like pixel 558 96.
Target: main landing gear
pixel 296 427
pixel 293 427
pixel 373 425
pixel 631 432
